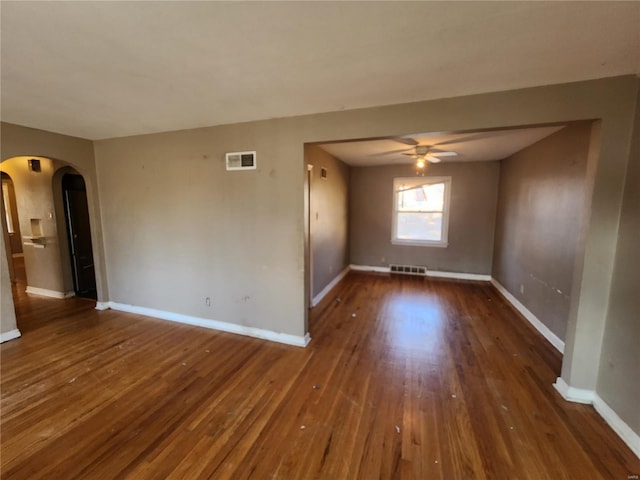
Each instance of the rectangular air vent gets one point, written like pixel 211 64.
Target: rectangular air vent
pixel 241 160
pixel 408 269
pixel 34 165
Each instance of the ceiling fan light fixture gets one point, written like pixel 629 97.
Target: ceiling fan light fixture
pixel 420 163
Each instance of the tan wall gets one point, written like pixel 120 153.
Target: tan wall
pixel 540 206
pixel 179 228
pixel 45 268
pixel 619 376
pixel 329 223
pixel 474 187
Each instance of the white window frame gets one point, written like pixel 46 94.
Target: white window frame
pixel 444 241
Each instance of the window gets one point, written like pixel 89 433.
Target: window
pixel 421 211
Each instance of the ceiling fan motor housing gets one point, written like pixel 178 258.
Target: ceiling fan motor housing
pixel 422 150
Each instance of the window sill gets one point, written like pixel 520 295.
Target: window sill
pixel 409 243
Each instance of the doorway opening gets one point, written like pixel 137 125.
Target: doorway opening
pixel 11 230
pixel 76 213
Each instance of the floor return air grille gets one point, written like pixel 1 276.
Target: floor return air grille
pixel 408 269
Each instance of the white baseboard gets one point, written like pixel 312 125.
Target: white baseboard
pixel 430 273
pixel 368 268
pixel 298 341
pixel 631 438
pixel 10 335
pixel 323 293
pixel 573 394
pixel 102 306
pixel 531 318
pixel 459 276
pixel 589 397
pixel 49 293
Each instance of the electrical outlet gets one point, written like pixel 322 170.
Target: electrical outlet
pixel 207 300
pixel 522 289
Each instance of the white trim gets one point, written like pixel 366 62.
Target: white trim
pixel 49 293
pixel 34 245
pixel 459 276
pixel 428 180
pixel 10 335
pixel 416 243
pixel 323 293
pixel 17 255
pixel 573 394
pixel 368 268
pixel 589 397
pixel 102 306
pixel 531 318
pixel 430 273
pixel 631 438
pixel 298 341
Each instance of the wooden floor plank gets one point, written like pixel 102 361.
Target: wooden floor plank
pixel 405 378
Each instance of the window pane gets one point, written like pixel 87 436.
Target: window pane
pixel 419 226
pixel 421 198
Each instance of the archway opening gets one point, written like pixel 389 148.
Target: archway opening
pixel 11 230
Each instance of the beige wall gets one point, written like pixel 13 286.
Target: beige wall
pixel 619 376
pixel 329 219
pixel 474 187
pixel 540 207
pixel 45 268
pixel 179 228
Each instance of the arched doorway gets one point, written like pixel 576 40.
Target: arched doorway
pixel 45 268
pixel 42 220
pixel 11 229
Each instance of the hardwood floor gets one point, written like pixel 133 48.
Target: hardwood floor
pixel 405 378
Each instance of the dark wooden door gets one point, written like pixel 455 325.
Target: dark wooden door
pixel 79 234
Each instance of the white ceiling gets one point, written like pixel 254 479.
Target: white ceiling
pixel 107 69
pixel 470 146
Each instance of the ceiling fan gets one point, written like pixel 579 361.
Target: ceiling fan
pixel 426 153
pixel 422 152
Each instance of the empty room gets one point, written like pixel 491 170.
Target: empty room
pixel 336 240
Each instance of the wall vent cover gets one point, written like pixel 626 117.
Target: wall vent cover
pixel 241 160
pixel 408 269
pixel 34 165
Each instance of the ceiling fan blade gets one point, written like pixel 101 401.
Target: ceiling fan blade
pixel 442 153
pixel 411 154
pixel 461 138
pixel 433 159
pixel 406 141
pixel 389 152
